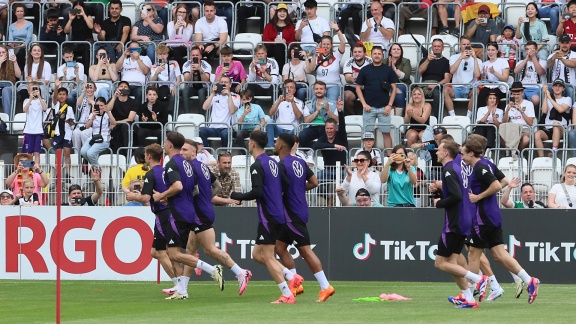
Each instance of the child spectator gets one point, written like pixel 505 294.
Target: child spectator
pixel 34 106
pixel 508 44
pixel 27 197
pixel 233 69
pixel 71 71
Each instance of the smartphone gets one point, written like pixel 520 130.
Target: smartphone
pixel 135 50
pixel 74 11
pixel 137 187
pixel 321 50
pixel 468 48
pixel 195 60
pixel 161 61
pixel 262 61
pixel 483 20
pixel 10 52
pixel 125 92
pixel 35 88
pixel 438 55
pixel 226 64
pixel 78 200
pixel 71 64
pixel 525 19
pixel 28 164
pixel 567 16
pixel 219 88
pixel 180 18
pixel 102 55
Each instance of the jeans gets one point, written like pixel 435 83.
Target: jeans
pixel 307 135
pixel 301 92
pixel 572 142
pixel 273 131
pixel 91 152
pixel 206 132
pixel 552 12
pixel 151 53
pixel 400 99
pixel 333 92
pixel 225 11
pixel 6 98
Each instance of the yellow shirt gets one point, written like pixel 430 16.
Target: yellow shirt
pixel 133 173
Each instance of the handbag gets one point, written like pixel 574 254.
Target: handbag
pixel 98 138
pixel 317 38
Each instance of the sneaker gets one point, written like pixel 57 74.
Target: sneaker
pixel 455 32
pixel 467 304
pixel 298 291
pixel 481 287
pixel 324 294
pixel 217 276
pixel 519 288
pixel 243 281
pixel 533 289
pixel 494 294
pixel 443 30
pixel 176 295
pixel 457 300
pixel 296 281
pixel 170 291
pixel 285 300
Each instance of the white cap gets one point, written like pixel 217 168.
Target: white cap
pixel 197 139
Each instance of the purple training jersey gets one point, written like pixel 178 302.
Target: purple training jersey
pixel 154 180
pixel 203 200
pixel 455 221
pixel 178 169
pixel 297 173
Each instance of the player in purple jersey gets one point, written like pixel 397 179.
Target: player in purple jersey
pixel 300 179
pixel 456 228
pixel 267 190
pixel 153 180
pixel 487 232
pixel 203 233
pixel 179 177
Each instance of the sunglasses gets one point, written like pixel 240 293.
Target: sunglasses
pixel 5 197
pixel 465 66
pixel 439 130
pixel 360 160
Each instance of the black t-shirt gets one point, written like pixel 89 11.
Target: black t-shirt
pixel 121 110
pixel 161 115
pixel 436 69
pixel 113 29
pixel 371 77
pixel 80 30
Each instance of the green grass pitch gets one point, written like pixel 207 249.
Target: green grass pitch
pixel 25 301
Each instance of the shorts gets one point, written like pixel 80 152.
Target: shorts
pixel 60 142
pixel 369 119
pixel 547 131
pixel 351 89
pixel 531 91
pixel 176 233
pixel 460 91
pixel 32 143
pixel 450 243
pixel 269 233
pixel 199 228
pixel 162 220
pixel 485 236
pixel 295 233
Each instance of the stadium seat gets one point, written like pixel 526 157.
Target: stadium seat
pixel 18 123
pixel 241 164
pixel 456 126
pixel 411 50
pixel 449 42
pixel 511 168
pixel 5 118
pixel 542 173
pixel 354 129
pixel 245 42
pixel 187 124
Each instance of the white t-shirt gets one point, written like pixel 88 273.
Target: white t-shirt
pixel 205 158
pixel 85 110
pixel 352 67
pixel 297 72
pixel 34 117
pixel 561 196
pixel 465 71
pixel 131 71
pixel 221 112
pixel 163 76
pixel 46 71
pixel 285 114
pixel 376 36
pixel 515 116
pixel 374 154
pixel 271 67
pixel 105 126
pixel 318 25
pixel 563 100
pixel 499 66
pixel 187 68
pixel 184 35
pixel 559 69
pixel 69 116
pixel 482 111
pixel 531 76
pixel 329 71
pixel 212 30
pixel 70 75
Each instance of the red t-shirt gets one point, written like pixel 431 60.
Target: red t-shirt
pixel 570 29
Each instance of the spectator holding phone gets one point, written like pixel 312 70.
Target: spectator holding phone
pixel 284 113
pixel 521 112
pixel 134 68
pixel 100 122
pixel 135 188
pixel 34 108
pixel 103 73
pixel 465 68
pixel 167 73
pixel 250 115
pixel 70 71
pixel 76 196
pixel 262 69
pixel 326 62
pixel 310 29
pixel 116 28
pixel 26 169
pixel 531 28
pixel 400 176
pixel 280 30
pixel 151 113
pixel 295 70
pixel 198 70
pixel 20 31
pixel 224 104
pixel 180 32
pixel 567 25
pixel 52 31
pixel 84 107
pixel 36 69
pixel 9 71
pixel 482 30
pixel 63 119
pixel 80 25
pixel 124 109
pixel 149 28
pixel 233 69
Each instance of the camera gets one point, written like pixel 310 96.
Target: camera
pixel 483 20
pixel 28 164
pixel 300 56
pixel 125 92
pixel 195 60
pixel 79 200
pixel 137 187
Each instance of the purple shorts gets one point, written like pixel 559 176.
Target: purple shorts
pixel 60 142
pixel 32 143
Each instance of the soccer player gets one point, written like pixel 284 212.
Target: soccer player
pixel 301 179
pixel 457 227
pixel 203 233
pixel 488 231
pixel 179 177
pixel 267 190
pixel 153 180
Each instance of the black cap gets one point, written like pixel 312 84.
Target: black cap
pixel 310 4
pixel 440 130
pixel 74 187
pixel 565 38
pixel 363 192
pixel 560 82
pixel 517 86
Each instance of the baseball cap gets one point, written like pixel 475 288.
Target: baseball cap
pixel 362 192
pixel 198 140
pixel 440 130
pixel 508 27
pixel 565 38
pixel 8 191
pixel 560 82
pixel 74 187
pixel 484 8
pixel 310 4
pixel 368 135
pixel 282 6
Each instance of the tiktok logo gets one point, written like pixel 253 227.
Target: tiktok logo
pixel 362 250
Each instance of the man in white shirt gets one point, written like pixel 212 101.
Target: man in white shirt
pixel 70 71
pixel 262 69
pixel 196 70
pixel 134 69
pixel 224 105
pixel 465 68
pixel 288 109
pixel 210 29
pixel 350 71
pixel 563 64
pixel 305 28
pixel 532 71
pixel 203 155
pixel 520 111
pixel 378 29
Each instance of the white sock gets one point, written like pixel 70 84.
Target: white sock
pixel 494 283
pixel 469 114
pixel 175 281
pixel 524 276
pixel 293 271
pixel 287 274
pixel 205 267
pixel 321 278
pixel 236 269
pixel 468 295
pixel 472 276
pixel 480 273
pixel 451 113
pixel 185 281
pixel 515 277
pixel 180 287
pixel 284 289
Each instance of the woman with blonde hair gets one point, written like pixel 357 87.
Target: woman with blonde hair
pixel 9 71
pixel 180 32
pixel 563 195
pixel 417 112
pixel 149 28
